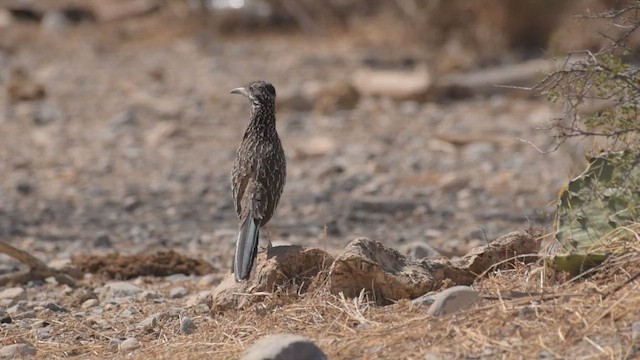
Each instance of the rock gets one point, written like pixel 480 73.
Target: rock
pixel 4 317
pixel 338 96
pixel 88 304
pixel 150 295
pixel 635 331
pixel 395 84
pixel 14 294
pixel 495 80
pixel 108 11
pixel 387 274
pixel 150 322
pixel 419 250
pixel 197 299
pixel 55 307
pixel 187 326
pixel 425 300
pixel 119 289
pixel 274 268
pixel 103 240
pixel 17 351
pixel 284 347
pixel 30 314
pixel 480 259
pixel 452 300
pixel 123 121
pixel 178 292
pixel 317 146
pixel 55 21
pixel 114 344
pixel 390 276
pixel 130 344
pixel 43 333
pixel 6 19
pixel 208 280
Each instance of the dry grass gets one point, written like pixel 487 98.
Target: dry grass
pixel 529 311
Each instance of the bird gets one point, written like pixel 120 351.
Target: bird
pixel 259 174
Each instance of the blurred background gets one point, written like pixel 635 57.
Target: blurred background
pixel 117 130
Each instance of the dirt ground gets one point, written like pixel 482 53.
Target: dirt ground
pixel 126 141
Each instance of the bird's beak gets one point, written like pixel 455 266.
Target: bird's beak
pixel 240 91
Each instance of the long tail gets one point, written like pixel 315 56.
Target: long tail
pixel 246 248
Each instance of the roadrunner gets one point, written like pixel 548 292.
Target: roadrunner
pixel 259 173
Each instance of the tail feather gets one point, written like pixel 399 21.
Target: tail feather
pixel 246 248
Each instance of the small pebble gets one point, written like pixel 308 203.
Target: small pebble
pixel 178 292
pixel 187 326
pixel 25 315
pixel 55 307
pixel 209 280
pixel 114 344
pixel 43 333
pixel 13 293
pixel 150 322
pixel 17 351
pixel 150 295
pixel 120 289
pixel 130 344
pixel 88 304
pixel 635 331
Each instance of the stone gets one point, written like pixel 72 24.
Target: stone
pixel 14 294
pixel 284 347
pixel 130 344
pixel 55 21
pixel 114 344
pixel 209 280
pixel 17 351
pixel 178 292
pixel 635 331
pixel 197 299
pixel 150 295
pixel 187 326
pixel 419 250
pixel 5 318
pixel 25 315
pixel 43 333
pixel 88 304
pixel 424 300
pixel 452 300
pixel 6 19
pixel 150 322
pixel 55 307
pixel 394 84
pixel 103 240
pixel 119 289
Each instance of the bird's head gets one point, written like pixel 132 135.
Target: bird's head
pixel 260 93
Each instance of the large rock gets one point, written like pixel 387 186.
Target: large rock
pixel 284 347
pixel 389 276
pixel 275 267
